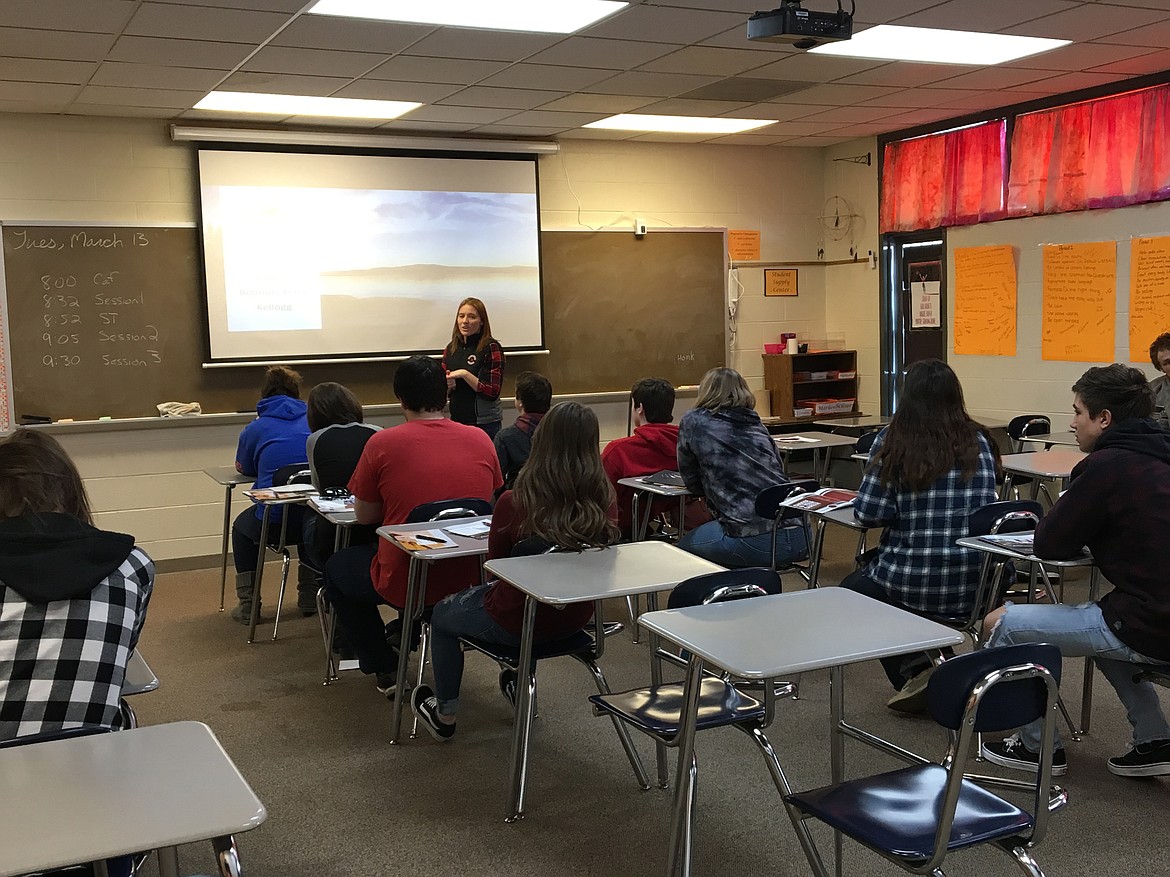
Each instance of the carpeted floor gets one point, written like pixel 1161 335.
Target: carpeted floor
pixel 342 802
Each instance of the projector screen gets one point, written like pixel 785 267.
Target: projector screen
pixel 320 256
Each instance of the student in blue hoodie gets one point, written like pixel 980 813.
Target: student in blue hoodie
pixel 274 439
pixel 726 455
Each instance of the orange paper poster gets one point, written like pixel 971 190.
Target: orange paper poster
pixel 985 301
pixel 1149 294
pixel 743 245
pixel 1080 302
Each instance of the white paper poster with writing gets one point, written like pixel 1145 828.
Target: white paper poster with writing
pixel 925 296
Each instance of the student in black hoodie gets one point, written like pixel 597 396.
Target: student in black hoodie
pixel 514 443
pixel 72 597
pixel 1118 506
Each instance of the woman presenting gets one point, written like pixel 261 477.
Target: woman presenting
pixel 474 362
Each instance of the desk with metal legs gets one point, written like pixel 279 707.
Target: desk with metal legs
pixel 768 638
pixel 820 443
pixel 842 517
pixel 1056 464
pixel 1067 438
pixel 416 589
pixel 229 478
pixel 586 577
pixel 88 799
pixel 261 556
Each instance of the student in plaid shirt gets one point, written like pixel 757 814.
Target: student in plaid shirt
pixel 929 469
pixel 72 597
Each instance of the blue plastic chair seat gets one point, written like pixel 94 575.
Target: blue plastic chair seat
pixel 657 710
pixel 898 812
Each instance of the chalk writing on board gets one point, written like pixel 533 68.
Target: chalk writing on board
pixel 1080 302
pixel 1149 293
pixel 985 301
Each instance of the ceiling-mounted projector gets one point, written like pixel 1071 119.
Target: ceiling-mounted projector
pixel 800 27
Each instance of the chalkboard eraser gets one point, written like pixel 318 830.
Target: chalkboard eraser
pixel 35 418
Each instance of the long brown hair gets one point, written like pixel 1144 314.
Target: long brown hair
pixel 562 493
pixel 724 388
pixel 36 475
pixel 931 432
pixel 485 325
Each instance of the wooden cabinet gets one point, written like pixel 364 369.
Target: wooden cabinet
pixel 793 379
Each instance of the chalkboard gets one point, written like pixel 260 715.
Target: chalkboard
pixel 109 321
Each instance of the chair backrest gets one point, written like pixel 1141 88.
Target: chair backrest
pixel 296 473
pixel 768 500
pixel 530 546
pixel 1016 694
pixel 1024 425
pixel 1005 516
pixel 446 509
pixel 718 587
pixel 865 443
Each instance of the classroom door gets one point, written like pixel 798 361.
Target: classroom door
pixel 913 318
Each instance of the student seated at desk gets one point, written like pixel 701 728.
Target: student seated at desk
pixel 1160 357
pixel 928 470
pixel 514 443
pixel 274 439
pixel 1118 506
pixel 726 455
pixel 72 598
pixel 561 499
pixel 426 459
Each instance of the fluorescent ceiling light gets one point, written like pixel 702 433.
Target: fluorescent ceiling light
pixel 545 16
pixel 303 105
pixel 679 124
pixel 892 42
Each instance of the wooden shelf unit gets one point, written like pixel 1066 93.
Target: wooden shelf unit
pixel 786 393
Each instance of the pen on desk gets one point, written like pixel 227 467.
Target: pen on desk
pixel 418 537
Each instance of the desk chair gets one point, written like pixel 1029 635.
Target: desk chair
pixel 657 710
pixel 297 473
pixel 768 505
pixel 915 816
pixel 1018 430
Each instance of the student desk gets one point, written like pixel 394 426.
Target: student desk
pixel 769 637
pixel 641 486
pixel 1084 560
pixel 842 517
pixel 1056 464
pixel 139 677
pixel 1054 438
pixel 820 443
pixel 416 589
pixel 560 579
pixel 854 425
pixel 87 799
pixel 229 478
pixel 269 504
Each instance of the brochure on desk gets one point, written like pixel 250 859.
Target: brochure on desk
pixel 283 491
pixel 824 500
pixel 424 540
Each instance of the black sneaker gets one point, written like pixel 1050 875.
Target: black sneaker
pixel 387 684
pixel 1011 753
pixel 508 686
pixel 1144 760
pixel 426 706
pixel 911 699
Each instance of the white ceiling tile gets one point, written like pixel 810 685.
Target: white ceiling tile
pixel 595 134
pixel 289 6
pixel 746 140
pixel 38 70
pixel 1089 21
pixel 888 11
pixel 1070 82
pixel 602 104
pixel 993 15
pixel 1155 62
pixel 509 98
pixel 220 25
pixel 814 142
pixel 38 92
pixel 670 137
pixel 994 78
pixel 92 16
pixel 1080 56
pixel 350 35
pixel 22 106
pixel 902 74
pixel 815 68
pixel 651 84
pixel 551 119
pixel 118 73
pixel 139 97
pixel 659 24
pixel 455 42
pixel 462 115
pixel 314 62
pixel 546 76
pixel 781 112
pixel 531 132
pixel 801 128
pixel 407 125
pixel 679 106
pixel 54 45
pixel 592 52
pixel 331 122
pixel 914 118
pixel 918 98
pixel 1155 36
pixel 449 70
pixel 284 83
pixel 736 38
pixel 706 59
pixel 743 7
pixel 383 89
pixel 851 115
pixel 119 111
pixel 185 53
pixel 838 95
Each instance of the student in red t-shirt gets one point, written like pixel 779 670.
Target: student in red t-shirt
pixel 561 498
pixel 426 459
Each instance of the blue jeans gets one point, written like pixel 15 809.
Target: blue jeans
pixel 1080 631
pixel 459 615
pixel 711 543
pixel 355 600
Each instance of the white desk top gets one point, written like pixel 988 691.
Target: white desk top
pixel 139 677
pixel 72 801
pixel 227 475
pixel 464 546
pixel 598 574
pixel 766 637
pixel 346 518
pixel 978 544
pixel 651 487
pixel 864 421
pixel 1055 438
pixel 1057 463
pixel 792 441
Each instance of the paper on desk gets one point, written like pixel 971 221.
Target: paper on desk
pixel 423 540
pixel 1019 542
pixel 332 506
pixel 824 500
pixel 293 489
pixel 794 438
pixel 477 530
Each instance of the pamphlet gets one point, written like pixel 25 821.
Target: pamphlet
pixel 423 540
pixel 477 530
pixel 331 506
pixel 665 478
pixel 284 491
pixel 1021 543
pixel 824 500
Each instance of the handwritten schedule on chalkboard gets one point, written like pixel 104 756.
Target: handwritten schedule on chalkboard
pixel 1080 308
pixel 985 301
pixel 1149 293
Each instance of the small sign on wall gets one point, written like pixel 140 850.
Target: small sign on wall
pixel 925 281
pixel 743 244
pixel 780 281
